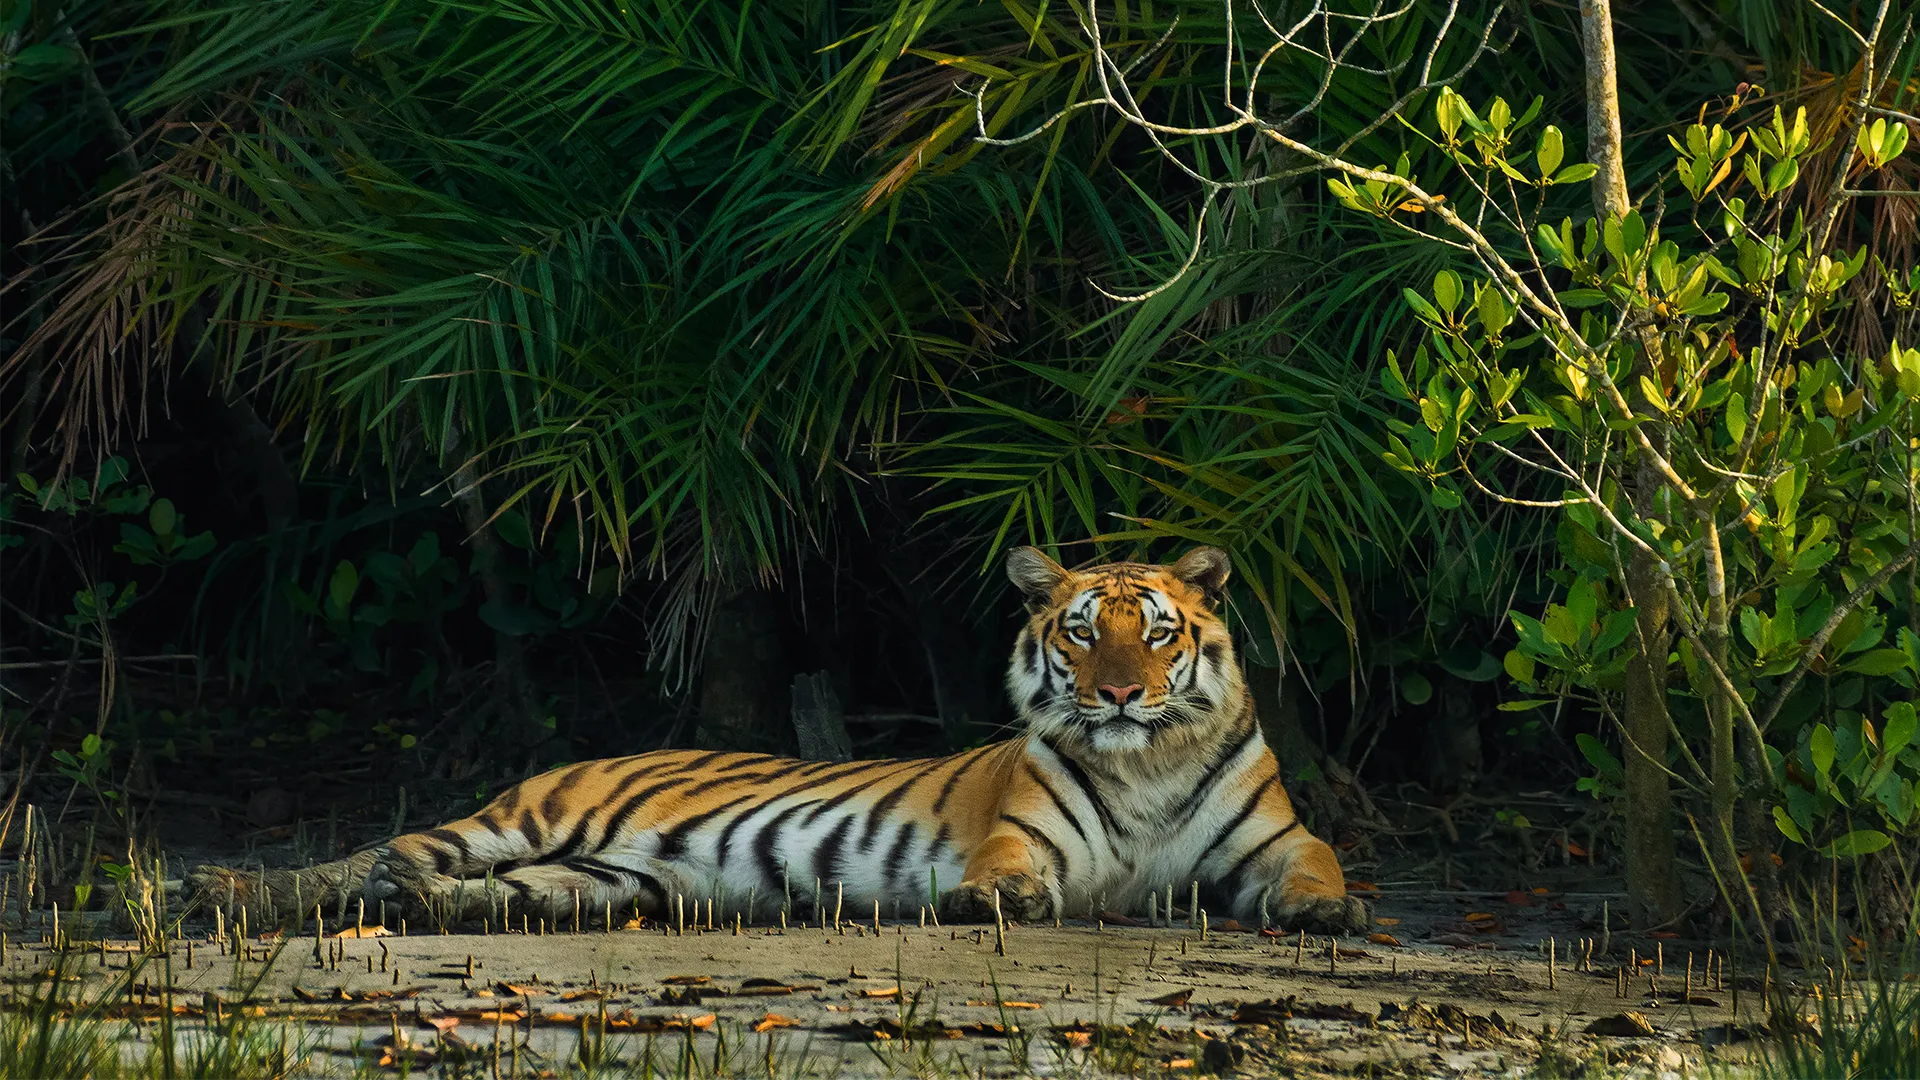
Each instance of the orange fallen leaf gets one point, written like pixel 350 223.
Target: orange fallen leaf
pixel 1517 898
pixel 1576 850
pixel 364 932
pixel 773 1020
pixel 1386 920
pixel 1539 891
pixel 517 990
pixel 442 1024
pixel 634 924
pixel 687 980
pixel 1481 916
pixel 1383 939
pixel 885 992
pixel 1007 1004
pixel 1180 1063
pixel 1077 1038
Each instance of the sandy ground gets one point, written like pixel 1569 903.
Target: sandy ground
pixel 1076 1000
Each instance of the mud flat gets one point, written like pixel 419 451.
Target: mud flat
pixel 1073 1000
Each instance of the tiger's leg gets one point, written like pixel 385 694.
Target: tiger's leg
pixel 1269 856
pixel 275 896
pixel 1018 860
pixel 443 870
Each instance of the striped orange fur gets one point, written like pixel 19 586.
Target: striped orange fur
pixel 1141 765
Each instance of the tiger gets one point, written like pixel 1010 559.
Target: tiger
pixel 1140 764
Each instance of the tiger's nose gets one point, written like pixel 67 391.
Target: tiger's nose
pixel 1120 695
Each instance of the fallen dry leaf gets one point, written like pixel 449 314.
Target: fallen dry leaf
pixel 1077 1038
pixel 1176 1000
pixel 364 932
pixel 773 1020
pixel 1386 920
pixel 687 980
pixel 1630 1025
pixel 1006 1004
pixel 442 1024
pixel 517 990
pixel 1517 898
pixel 577 995
pixel 1383 939
pixel 885 992
pixel 1542 891
pixel 1180 1063
pixel 1477 916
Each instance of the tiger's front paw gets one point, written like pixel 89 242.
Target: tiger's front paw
pixel 1321 915
pixel 1023 898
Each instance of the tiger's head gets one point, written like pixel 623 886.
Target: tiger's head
pixel 1125 656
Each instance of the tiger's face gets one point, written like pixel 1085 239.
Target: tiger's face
pixel 1126 656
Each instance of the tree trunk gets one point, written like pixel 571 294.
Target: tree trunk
pixel 1653 887
pixel 1324 792
pixel 818 721
pixel 513 690
pixel 1654 896
pixel 745 701
pixel 960 688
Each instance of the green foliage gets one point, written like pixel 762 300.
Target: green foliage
pixel 1688 397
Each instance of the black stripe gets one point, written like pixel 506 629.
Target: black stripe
pixel 765 843
pixel 1232 877
pixel 1058 803
pixel 878 814
pixel 946 789
pixel 1203 787
pixel 897 854
pixel 1053 849
pixel 443 860
pixel 839 798
pixel 1085 783
pixel 1247 808
pixel 673 842
pixel 647 883
pixel 618 822
pixel 595 870
pixel 826 857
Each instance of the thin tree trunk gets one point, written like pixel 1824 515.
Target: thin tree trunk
pixel 745 688
pixel 1653 890
pixel 513 691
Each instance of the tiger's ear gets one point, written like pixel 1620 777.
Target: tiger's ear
pixel 1034 572
pixel 1206 567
